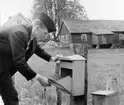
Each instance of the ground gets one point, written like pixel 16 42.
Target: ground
pixel 103 64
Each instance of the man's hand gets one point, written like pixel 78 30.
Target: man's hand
pixel 56 58
pixel 42 80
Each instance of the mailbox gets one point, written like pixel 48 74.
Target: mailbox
pixel 72 71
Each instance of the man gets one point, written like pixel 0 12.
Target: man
pixel 17 45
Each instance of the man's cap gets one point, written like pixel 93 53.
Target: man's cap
pixel 48 22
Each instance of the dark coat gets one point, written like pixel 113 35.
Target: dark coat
pixel 15 51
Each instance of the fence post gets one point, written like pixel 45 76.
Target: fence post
pixel 112 85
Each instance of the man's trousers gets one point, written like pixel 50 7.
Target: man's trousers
pixel 7 89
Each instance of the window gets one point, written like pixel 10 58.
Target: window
pixel 65 38
pixel 19 21
pixel 84 37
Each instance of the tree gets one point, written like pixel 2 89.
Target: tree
pixel 58 10
pixel 76 10
pixel 41 6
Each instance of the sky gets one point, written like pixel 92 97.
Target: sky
pixel 10 8
pixel 104 9
pixel 96 9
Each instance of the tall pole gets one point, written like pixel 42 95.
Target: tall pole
pixel 83 51
pixel 0 19
pixel 59 94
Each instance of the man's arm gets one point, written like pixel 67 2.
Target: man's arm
pixel 41 53
pixel 18 44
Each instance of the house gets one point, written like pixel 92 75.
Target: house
pixel 98 32
pixel 17 19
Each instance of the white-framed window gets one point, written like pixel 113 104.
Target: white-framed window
pixel 84 37
pixel 19 21
pixel 65 38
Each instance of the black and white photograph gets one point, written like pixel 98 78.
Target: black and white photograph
pixel 61 52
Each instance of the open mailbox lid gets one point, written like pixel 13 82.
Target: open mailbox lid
pixel 74 57
pixel 63 84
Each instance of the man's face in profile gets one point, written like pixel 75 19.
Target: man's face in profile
pixel 41 32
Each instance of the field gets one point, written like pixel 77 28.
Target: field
pixel 103 64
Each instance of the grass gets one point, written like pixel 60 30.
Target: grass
pixel 103 65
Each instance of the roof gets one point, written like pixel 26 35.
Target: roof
pixel 75 26
pixel 102 31
pixel 94 26
pixel 14 17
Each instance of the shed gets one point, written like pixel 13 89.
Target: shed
pixel 69 33
pixel 102 36
pixel 96 31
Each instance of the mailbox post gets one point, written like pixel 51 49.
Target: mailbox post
pixel 104 97
pixel 81 100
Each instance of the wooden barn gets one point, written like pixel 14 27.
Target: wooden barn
pixel 97 32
